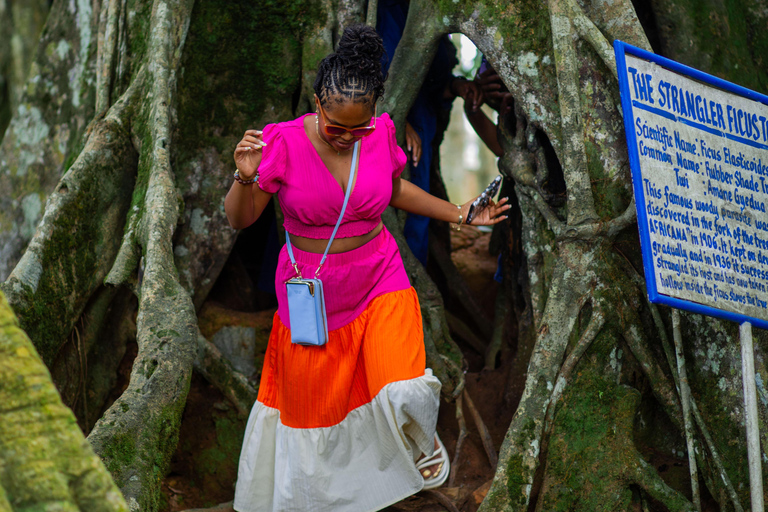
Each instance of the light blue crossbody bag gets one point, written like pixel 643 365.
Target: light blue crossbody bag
pixel 306 302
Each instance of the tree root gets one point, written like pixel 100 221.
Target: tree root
pixel 596 323
pixel 695 410
pixel 74 245
pixel 595 432
pixel 417 47
pixel 137 435
pixel 442 499
pixel 220 373
pixel 581 202
pixel 458 288
pixel 503 309
pixel 519 455
pixel 443 356
pixel 685 400
pixel 460 441
pixel 490 450
pixel 465 332
pixel 45 462
pixel 662 332
pixel 106 60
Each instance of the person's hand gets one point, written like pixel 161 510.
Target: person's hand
pixel 413 143
pixel 248 154
pixel 488 216
pixel 470 92
pixel 494 90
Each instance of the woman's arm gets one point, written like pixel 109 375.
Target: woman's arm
pixel 485 129
pixel 410 198
pixel 244 203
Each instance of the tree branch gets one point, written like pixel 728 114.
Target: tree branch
pixel 410 64
pixel 589 31
pixel 581 202
pixel 105 62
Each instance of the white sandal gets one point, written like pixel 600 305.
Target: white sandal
pixel 439 457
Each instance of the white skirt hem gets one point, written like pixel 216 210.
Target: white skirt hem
pixel 364 463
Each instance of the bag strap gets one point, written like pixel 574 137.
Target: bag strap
pixel 350 183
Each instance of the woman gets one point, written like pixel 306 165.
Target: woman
pixel 338 427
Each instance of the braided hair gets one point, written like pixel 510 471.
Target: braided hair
pixel 353 72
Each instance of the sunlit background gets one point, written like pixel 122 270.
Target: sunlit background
pixel 467 164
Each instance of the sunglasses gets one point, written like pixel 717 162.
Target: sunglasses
pixel 335 130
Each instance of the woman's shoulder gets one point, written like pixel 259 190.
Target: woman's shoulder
pixel 284 131
pixel 386 120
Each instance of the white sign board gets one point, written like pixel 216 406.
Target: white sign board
pixel 698 150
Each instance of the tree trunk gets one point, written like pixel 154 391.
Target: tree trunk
pixel 125 133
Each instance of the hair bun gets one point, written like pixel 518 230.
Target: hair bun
pixel 356 64
pixel 361 42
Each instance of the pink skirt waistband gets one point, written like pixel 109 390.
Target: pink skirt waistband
pixel 343 258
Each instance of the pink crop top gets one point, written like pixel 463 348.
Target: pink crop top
pixel 311 198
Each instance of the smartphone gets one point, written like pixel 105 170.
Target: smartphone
pixel 482 200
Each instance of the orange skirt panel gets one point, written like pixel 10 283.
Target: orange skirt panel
pixel 318 386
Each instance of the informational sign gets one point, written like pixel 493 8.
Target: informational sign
pixel 698 151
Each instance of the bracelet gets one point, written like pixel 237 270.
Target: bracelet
pixel 245 182
pixel 461 219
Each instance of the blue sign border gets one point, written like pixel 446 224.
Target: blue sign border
pixel 621 48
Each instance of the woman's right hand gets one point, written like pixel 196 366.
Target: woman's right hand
pixel 248 154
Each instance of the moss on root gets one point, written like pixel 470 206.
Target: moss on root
pixel 46 462
pixel 239 57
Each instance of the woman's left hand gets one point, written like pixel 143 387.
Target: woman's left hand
pixel 490 215
pixel 413 143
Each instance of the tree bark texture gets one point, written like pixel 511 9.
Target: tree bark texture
pixel 113 171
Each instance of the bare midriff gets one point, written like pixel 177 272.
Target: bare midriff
pixel 318 245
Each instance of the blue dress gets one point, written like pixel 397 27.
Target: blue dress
pixel 390 23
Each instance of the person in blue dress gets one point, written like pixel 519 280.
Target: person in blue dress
pixel 437 93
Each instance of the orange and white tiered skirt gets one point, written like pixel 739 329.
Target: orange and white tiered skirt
pixel 337 428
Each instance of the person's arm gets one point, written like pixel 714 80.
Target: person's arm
pixel 485 129
pixel 245 203
pixel 408 197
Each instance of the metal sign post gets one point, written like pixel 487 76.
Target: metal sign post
pixel 750 410
pixel 698 152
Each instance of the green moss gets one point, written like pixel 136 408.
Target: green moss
pixel 139 18
pixel 582 463
pixel 515 481
pixel 118 453
pixel 238 58
pixel 68 262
